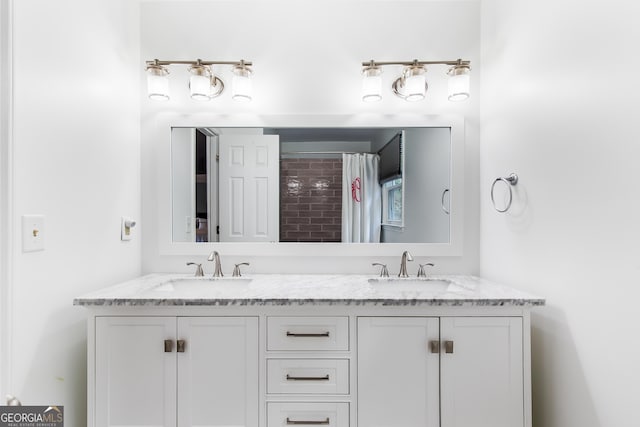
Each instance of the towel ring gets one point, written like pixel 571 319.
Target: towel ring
pixel 510 181
pixel 444 208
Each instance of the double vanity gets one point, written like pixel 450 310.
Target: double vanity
pixel 309 350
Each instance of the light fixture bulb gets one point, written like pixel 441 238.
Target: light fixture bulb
pixel 458 83
pixel 242 86
pixel 157 82
pixel 200 82
pixel 415 82
pixel 371 84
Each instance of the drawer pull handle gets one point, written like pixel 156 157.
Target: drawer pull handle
pixel 168 346
pixel 434 346
pixel 181 346
pixel 308 335
pixel 324 422
pixel 290 378
pixel 448 347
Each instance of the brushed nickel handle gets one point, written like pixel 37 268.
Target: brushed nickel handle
pixel 324 378
pixel 313 423
pixel 434 346
pixel 199 272
pixel 448 347
pixel 384 271
pixel 308 335
pixel 236 270
pixel 168 346
pixel 181 345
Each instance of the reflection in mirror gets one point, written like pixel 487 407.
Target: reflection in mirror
pixel 360 185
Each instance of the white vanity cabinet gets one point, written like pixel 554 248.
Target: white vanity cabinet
pixel 330 351
pixel 176 371
pixel 441 371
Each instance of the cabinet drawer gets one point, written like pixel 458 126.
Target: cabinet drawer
pixel 326 414
pixel 308 333
pixel 317 376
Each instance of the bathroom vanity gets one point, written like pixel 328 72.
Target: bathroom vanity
pixel 309 350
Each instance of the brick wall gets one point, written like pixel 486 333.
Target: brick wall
pixel 310 200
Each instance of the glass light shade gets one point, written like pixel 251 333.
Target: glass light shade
pixel 157 83
pixel 200 83
pixel 242 86
pixel 371 84
pixel 415 80
pixel 458 83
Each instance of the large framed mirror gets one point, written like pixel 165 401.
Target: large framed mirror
pixel 311 185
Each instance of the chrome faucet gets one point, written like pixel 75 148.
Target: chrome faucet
pixel 406 256
pixel 215 256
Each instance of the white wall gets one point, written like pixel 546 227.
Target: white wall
pixel 5 193
pixel 560 108
pixel 307 60
pixel 183 193
pixel 427 154
pixel 76 161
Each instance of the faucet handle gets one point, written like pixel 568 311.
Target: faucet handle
pixel 199 272
pixel 383 271
pixel 421 272
pixel 236 270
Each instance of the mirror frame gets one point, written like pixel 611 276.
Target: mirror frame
pixel 159 133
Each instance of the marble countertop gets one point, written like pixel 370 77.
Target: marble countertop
pixel 293 289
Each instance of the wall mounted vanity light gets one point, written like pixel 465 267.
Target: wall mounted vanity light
pixel 412 84
pixel 204 85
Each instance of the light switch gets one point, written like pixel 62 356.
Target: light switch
pixel 32 233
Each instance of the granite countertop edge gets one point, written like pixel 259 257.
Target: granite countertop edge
pixel 273 290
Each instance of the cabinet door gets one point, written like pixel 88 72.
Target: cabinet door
pixel 218 371
pixel 398 377
pixel 482 383
pixel 135 383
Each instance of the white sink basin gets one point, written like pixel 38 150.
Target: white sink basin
pixel 410 284
pixel 198 286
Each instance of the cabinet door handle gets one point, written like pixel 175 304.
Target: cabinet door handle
pixel 448 347
pixel 181 346
pixel 434 346
pixel 290 378
pixel 291 422
pixel 168 346
pixel 308 335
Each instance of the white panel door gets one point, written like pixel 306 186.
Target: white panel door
pixel 249 188
pixel 218 372
pixel 398 377
pixel 135 382
pixel 482 384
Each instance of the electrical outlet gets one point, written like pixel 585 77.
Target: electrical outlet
pixel 32 233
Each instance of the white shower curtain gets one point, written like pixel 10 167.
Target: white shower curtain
pixel 361 198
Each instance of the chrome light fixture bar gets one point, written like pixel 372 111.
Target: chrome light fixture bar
pixel 412 84
pixel 204 85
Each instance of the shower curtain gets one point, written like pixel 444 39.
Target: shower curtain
pixel 361 198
